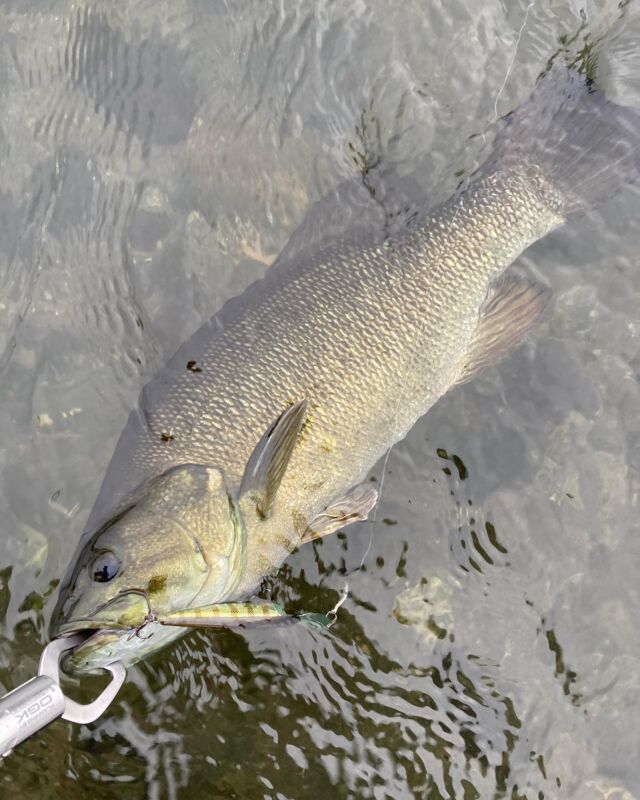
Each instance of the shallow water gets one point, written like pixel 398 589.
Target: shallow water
pixel 156 161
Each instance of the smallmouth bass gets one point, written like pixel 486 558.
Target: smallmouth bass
pixel 258 434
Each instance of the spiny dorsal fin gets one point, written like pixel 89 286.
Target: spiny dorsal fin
pixel 512 307
pixel 268 462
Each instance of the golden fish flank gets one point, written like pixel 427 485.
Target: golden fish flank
pixel 305 380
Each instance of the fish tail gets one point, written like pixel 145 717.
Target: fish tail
pixel 585 146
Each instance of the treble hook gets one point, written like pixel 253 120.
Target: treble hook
pixel 151 617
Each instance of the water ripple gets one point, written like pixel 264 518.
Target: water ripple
pixel 155 159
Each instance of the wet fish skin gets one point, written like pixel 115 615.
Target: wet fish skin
pixel 361 343
pixel 370 336
pixel 370 333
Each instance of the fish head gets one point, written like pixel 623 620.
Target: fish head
pixel 176 542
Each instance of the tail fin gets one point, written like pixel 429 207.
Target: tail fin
pixel 586 147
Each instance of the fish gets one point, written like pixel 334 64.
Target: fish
pixel 258 435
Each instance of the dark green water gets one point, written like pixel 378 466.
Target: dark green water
pixel 156 157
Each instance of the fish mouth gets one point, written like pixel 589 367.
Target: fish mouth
pixel 88 629
pixel 94 636
pixel 123 614
pixel 100 645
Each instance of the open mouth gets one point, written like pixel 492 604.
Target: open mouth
pixel 85 627
pixel 97 646
pixel 88 627
pixel 122 614
pixel 92 632
pixel 85 632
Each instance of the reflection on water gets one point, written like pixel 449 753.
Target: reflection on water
pixel 154 162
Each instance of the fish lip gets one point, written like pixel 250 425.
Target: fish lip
pixel 91 636
pixel 93 623
pixel 87 627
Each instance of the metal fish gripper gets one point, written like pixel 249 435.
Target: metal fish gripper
pixel 33 705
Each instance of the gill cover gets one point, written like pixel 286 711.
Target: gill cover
pixel 174 539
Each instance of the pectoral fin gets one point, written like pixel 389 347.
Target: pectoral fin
pixel 512 308
pixel 268 462
pixel 353 507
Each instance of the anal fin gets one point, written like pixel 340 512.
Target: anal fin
pixel 512 307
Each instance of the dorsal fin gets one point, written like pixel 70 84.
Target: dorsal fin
pixel 512 307
pixel 268 462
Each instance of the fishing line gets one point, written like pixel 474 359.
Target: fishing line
pixel 401 396
pixel 418 337
pixel 492 122
pixel 333 614
pixel 513 59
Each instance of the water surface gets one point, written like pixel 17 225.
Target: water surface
pixel 156 158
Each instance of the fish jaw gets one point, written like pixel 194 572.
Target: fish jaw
pixel 105 646
pixel 126 610
pixel 122 630
pixel 103 629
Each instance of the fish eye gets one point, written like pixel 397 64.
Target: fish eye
pixel 105 567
